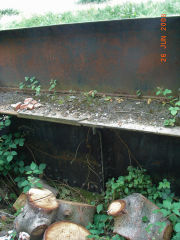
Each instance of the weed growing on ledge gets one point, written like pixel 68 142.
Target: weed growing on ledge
pixel 174 103
pixel 138 93
pixel 31 83
pixel 52 85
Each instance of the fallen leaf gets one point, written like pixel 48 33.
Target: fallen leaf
pixel 149 100
pixel 119 100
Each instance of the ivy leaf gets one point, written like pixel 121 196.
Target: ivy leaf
pixel 26 189
pixel 167 204
pixel 33 166
pixel 25 183
pixel 177 103
pixel 9 158
pixel 99 208
pixel 14 153
pixel 167 91
pixel 21 142
pixel 39 185
pixel 126 190
pixel 116 237
pixel 176 211
pixel 174 110
pixel 7 122
pixel 177 227
pixel 42 166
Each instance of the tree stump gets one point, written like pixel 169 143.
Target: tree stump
pixel 65 230
pixel 75 212
pixel 21 200
pixel 38 213
pixel 128 219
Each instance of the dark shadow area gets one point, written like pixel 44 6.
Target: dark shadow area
pixel 87 157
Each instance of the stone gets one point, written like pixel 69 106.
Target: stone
pixel 30 106
pixel 23 106
pixel 28 100
pixel 16 106
pixel 37 105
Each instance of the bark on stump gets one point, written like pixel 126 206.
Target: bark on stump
pixel 65 230
pixel 38 213
pixel 128 219
pixel 76 212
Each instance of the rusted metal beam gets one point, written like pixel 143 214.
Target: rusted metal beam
pixel 111 56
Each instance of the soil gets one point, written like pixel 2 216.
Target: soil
pixel 99 109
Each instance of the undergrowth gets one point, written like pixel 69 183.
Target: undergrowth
pixel 173 102
pixel 136 181
pixel 14 170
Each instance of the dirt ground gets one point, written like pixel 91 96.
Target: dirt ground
pixel 99 109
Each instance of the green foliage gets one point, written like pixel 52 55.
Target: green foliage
pixel 91 94
pixel 101 229
pixel 172 101
pixel 169 122
pixel 31 83
pixel 32 170
pixel 121 11
pixel 52 85
pixel 8 147
pixel 163 92
pixel 136 181
pixel 13 165
pixel 170 210
pixel 139 93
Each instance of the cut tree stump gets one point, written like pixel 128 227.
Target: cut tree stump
pixel 76 212
pixel 128 219
pixel 65 230
pixel 38 213
pixel 21 200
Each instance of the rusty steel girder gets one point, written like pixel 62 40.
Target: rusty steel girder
pixel 118 56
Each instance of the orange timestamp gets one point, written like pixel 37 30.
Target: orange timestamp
pixel 163 39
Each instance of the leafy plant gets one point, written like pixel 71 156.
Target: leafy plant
pixel 139 93
pixel 169 122
pixel 164 92
pixel 174 103
pixel 32 170
pixel 12 165
pixel 9 144
pixel 170 210
pixel 32 83
pixel 108 98
pixel 92 93
pixel 136 181
pixel 52 85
